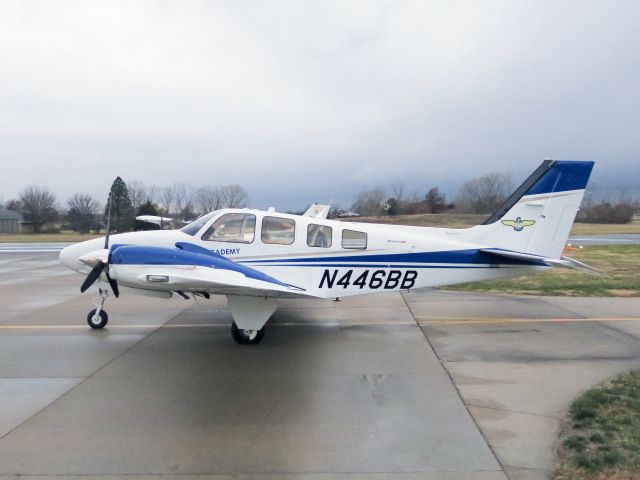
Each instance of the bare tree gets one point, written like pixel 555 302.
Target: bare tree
pixel 370 202
pixel 137 193
pixel 606 212
pixel 183 199
pixel 38 204
pixel 152 193
pixel 484 194
pixel 233 196
pixel 397 194
pixel 83 212
pixel 166 199
pixel 209 199
pixel 14 204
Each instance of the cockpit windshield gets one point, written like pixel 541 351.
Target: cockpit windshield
pixel 195 226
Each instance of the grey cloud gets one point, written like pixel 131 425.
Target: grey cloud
pixel 305 101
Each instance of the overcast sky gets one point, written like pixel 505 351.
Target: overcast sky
pixel 308 101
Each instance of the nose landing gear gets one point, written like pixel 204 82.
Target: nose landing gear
pixel 98 318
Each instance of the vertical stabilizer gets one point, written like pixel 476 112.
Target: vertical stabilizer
pixel 537 218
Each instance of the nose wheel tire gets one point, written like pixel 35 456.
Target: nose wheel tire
pixel 246 337
pixel 97 321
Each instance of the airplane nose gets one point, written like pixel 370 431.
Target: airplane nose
pixel 69 257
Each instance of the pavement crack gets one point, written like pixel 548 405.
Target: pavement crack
pixel 519 412
pixel 618 331
pixel 552 305
pixel 457 390
pixel 84 379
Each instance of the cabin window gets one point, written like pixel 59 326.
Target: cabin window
pixel 353 239
pixel 232 227
pixel 280 231
pixel 319 235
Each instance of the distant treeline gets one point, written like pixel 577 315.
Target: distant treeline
pixel 481 195
pixel 84 213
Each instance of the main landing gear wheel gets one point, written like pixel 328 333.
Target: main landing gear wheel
pixel 246 337
pixel 97 320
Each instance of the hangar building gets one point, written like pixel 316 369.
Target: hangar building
pixel 9 221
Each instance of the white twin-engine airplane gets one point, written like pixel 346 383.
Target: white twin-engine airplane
pixel 255 257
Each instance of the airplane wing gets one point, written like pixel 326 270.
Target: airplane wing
pixel 566 262
pixel 191 268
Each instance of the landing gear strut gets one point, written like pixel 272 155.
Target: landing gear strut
pixel 98 318
pixel 246 337
pixel 249 317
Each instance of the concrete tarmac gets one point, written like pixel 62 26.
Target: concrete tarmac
pixel 425 385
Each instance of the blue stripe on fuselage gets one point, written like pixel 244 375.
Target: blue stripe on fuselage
pixel 470 256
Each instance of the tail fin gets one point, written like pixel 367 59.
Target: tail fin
pixel 537 218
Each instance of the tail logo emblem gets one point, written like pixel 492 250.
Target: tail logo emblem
pixel 518 224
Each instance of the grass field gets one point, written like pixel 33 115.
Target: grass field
pixel 44 237
pixel 618 264
pixel 601 439
pixel 603 228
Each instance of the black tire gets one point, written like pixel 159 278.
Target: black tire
pixel 104 319
pixel 246 337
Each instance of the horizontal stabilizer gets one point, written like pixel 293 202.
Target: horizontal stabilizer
pixel 317 211
pixel 565 262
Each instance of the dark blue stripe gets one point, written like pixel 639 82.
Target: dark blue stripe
pixel 470 256
pixel 372 266
pixel 563 176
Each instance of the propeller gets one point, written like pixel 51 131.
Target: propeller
pixel 94 274
pixel 97 270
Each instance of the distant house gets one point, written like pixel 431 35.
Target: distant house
pixel 10 221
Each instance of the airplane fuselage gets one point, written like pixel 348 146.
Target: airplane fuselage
pixel 325 258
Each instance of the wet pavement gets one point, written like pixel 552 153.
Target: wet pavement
pixel 428 385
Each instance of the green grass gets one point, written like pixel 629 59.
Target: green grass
pixel 45 237
pixel 604 228
pixel 602 436
pixel 618 263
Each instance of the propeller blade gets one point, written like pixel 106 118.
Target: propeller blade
pixel 114 285
pixel 94 274
pixel 106 237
